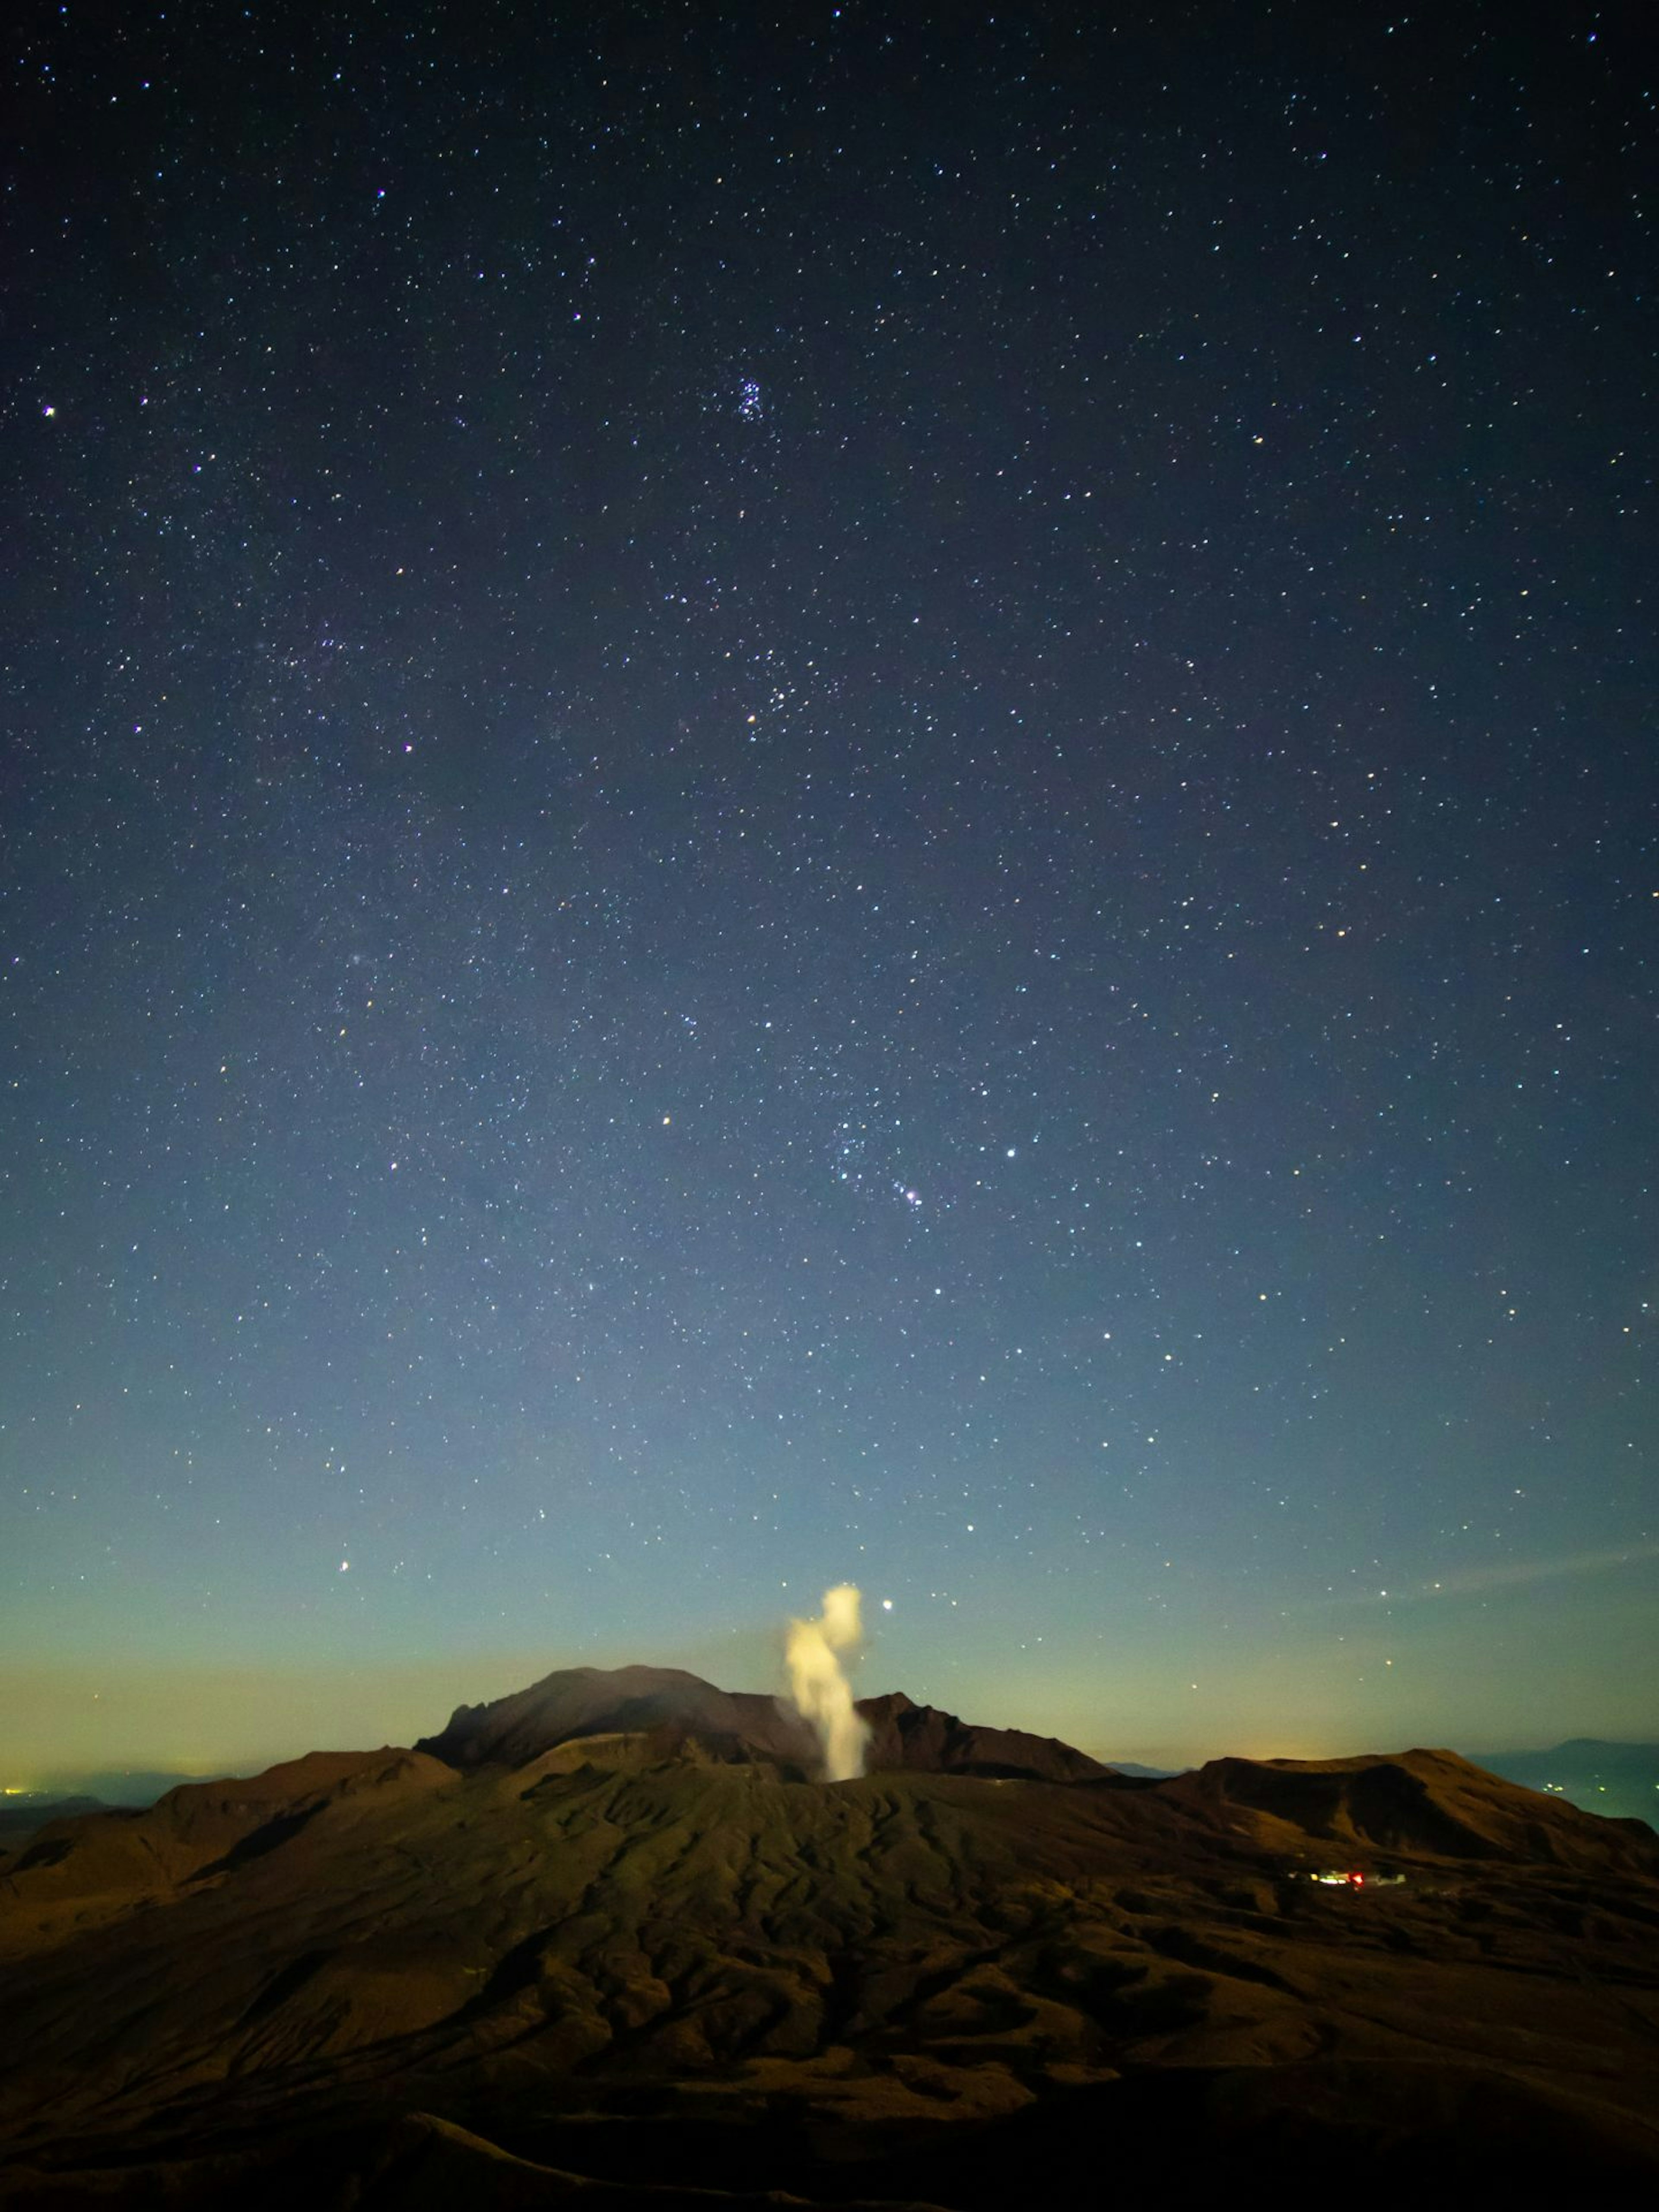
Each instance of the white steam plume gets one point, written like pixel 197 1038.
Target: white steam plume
pixel 820 1691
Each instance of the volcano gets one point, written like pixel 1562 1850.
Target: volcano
pixel 610 1939
pixel 583 1702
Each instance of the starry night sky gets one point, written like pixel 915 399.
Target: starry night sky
pixel 855 792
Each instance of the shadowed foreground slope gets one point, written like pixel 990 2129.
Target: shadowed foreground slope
pixel 653 1952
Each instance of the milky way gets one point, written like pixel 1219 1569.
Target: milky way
pixel 870 799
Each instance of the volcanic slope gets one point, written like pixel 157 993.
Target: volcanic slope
pixel 660 1957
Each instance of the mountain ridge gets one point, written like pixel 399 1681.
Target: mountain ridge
pixel 573 1703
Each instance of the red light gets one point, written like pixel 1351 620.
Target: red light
pixel 1356 1880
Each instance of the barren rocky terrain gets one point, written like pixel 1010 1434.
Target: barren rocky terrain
pixel 609 1940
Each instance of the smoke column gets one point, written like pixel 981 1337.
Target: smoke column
pixel 820 1691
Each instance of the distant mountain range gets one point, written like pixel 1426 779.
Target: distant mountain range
pixel 1620 1779
pixel 21 1810
pixel 610 1939
pixel 25 1811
